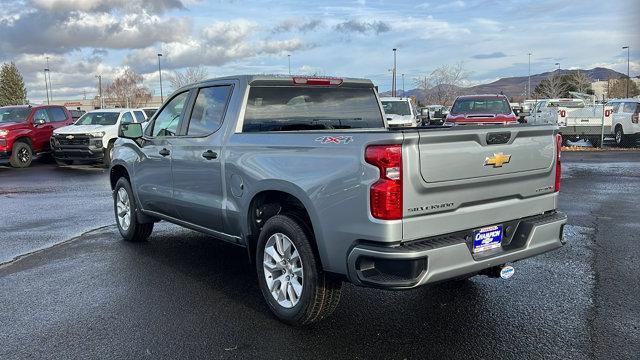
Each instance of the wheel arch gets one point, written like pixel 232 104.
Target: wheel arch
pixel 274 200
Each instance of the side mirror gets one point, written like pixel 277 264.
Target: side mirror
pixel 37 122
pixel 130 131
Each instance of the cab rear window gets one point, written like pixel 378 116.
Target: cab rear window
pixel 297 108
pixel 481 106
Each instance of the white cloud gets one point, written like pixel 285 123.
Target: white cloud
pixel 108 5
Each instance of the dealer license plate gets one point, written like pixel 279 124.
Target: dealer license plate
pixel 487 238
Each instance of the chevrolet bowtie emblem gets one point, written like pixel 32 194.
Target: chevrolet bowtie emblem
pixel 497 160
pixel 69 137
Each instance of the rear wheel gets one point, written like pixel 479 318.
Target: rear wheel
pixel 595 141
pixel 620 137
pixel 21 155
pixel 125 209
pixel 290 277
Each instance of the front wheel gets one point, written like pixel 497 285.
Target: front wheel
pixel 125 208
pixel 620 137
pixel 290 276
pixel 21 155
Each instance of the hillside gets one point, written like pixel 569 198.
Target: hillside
pixel 516 86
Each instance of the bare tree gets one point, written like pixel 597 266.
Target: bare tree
pixel 552 87
pixel 618 88
pixel 189 76
pixel 444 83
pixel 127 91
pixel 580 81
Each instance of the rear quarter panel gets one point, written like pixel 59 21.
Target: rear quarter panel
pixel 331 179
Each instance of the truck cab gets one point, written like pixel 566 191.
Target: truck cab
pixel 399 111
pixel 25 131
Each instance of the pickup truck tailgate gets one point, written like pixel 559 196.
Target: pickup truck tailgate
pixel 476 177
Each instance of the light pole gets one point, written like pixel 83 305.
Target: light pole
pixel 393 85
pixel 529 86
pixel 628 78
pixel 47 71
pixel 100 90
pixel 46 84
pixel 402 84
pixel 160 74
pixel 289 59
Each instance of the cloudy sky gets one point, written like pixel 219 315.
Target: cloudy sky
pixel 83 38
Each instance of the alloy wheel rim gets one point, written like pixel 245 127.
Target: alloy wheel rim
pixel 23 155
pixel 123 210
pixel 618 136
pixel 283 270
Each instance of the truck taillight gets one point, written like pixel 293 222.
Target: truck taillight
pixel 556 186
pixel 386 193
pixel 634 117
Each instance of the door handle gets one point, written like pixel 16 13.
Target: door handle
pixel 164 152
pixel 210 155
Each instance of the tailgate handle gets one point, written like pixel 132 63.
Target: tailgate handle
pixel 498 138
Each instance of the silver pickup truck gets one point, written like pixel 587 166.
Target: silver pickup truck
pixel 304 173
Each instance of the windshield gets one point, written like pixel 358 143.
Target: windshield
pixel 13 114
pixel 98 118
pixel 311 108
pixel 481 106
pixel 396 107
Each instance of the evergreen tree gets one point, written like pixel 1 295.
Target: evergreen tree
pixel 12 90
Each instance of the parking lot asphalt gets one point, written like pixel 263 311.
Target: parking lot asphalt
pixel 182 294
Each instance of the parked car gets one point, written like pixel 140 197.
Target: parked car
pixel 576 119
pixel 305 174
pixel 399 111
pixel 25 131
pixel 625 125
pixel 434 114
pixel 76 113
pixel 481 110
pixel 90 139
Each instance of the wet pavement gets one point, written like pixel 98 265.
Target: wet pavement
pixel 184 295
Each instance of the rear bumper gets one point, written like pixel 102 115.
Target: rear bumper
pixel 585 130
pixel 449 256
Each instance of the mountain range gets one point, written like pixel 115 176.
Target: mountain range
pixel 516 86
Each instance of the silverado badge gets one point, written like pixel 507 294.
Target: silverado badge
pixel 497 160
pixel 69 137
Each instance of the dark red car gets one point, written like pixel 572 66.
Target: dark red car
pixel 481 110
pixel 25 131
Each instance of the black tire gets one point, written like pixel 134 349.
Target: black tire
pixel 106 160
pixel 620 138
pixel 565 140
pixel 21 155
pixel 320 292
pixel 595 141
pixel 136 231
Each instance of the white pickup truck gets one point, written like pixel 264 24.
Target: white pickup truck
pixel 576 119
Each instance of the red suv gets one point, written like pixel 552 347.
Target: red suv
pixel 481 110
pixel 25 131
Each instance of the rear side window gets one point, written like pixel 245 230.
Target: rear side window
pixel 616 107
pixel 294 108
pixel 630 107
pixel 139 116
pixel 57 114
pixel 481 106
pixel 208 111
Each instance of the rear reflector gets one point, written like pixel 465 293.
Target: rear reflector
pixel 317 81
pixel 386 193
pixel 556 186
